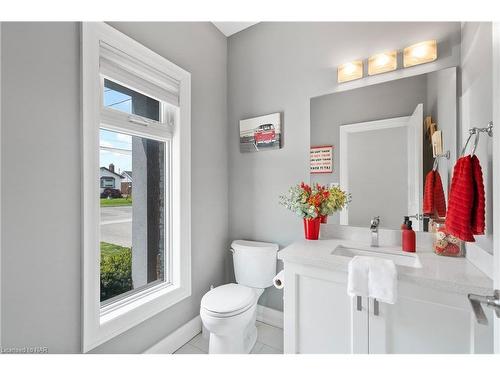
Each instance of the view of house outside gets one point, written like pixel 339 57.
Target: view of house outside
pixel 132 196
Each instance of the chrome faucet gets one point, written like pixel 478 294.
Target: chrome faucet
pixel 374 229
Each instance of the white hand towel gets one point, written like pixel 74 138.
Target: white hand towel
pixel 383 280
pixel 372 277
pixel 357 280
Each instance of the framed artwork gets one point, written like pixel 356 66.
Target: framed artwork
pixel 261 133
pixel 321 159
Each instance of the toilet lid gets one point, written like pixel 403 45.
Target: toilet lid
pixel 228 298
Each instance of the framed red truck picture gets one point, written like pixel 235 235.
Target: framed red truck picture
pixel 261 133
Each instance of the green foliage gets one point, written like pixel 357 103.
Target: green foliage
pixel 336 200
pixel 309 202
pixel 116 270
pixel 116 202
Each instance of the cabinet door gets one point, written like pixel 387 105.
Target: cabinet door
pixel 319 315
pixel 424 320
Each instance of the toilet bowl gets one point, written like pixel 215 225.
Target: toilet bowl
pixel 229 311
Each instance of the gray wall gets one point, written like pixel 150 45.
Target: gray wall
pixel 279 67
pixel 41 219
pixel 378 176
pixel 41 216
pixel 476 106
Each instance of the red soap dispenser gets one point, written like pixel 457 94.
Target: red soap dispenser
pixel 405 223
pixel 408 238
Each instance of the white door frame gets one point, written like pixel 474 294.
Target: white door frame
pixel 0 184
pixel 496 176
pixel 345 131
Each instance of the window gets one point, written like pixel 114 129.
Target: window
pixel 107 182
pixel 136 201
pixel 133 235
pixel 127 100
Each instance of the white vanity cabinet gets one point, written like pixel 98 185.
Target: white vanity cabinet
pixel 319 317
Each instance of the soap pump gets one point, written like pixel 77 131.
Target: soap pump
pixel 405 222
pixel 408 240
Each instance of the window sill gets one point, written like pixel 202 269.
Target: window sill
pixel 137 300
pixel 122 316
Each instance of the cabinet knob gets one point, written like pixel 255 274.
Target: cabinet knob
pixel 375 307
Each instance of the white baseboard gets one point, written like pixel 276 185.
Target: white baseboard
pixel 183 334
pixel 270 316
pixel 178 338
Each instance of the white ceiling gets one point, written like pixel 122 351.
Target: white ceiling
pixel 230 28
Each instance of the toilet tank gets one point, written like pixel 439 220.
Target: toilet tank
pixel 254 263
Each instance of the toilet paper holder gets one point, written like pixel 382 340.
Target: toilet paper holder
pixel 279 280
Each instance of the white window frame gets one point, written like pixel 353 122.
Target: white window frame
pixel 102 324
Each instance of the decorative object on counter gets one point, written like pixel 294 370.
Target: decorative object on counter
pixel 446 244
pixel 466 207
pixel 321 159
pixel 313 203
pixel 261 133
pixel 337 199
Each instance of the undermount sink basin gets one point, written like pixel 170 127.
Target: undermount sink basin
pixel 399 258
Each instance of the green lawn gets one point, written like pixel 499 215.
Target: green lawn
pixel 116 202
pixel 110 249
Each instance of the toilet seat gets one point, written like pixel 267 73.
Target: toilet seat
pixel 228 300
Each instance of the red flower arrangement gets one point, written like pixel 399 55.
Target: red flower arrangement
pixel 314 204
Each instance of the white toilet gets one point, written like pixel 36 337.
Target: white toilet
pixel 229 311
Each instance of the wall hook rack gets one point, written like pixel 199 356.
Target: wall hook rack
pixel 445 155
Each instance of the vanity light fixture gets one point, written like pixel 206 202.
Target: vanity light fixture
pixel 420 53
pixel 350 71
pixel 383 62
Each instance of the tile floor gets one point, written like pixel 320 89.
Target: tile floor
pixel 269 341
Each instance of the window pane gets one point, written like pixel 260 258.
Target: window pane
pixel 126 100
pixel 132 226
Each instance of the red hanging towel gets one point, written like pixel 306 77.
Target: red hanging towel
pixel 459 218
pixel 434 200
pixel 478 207
pixel 429 194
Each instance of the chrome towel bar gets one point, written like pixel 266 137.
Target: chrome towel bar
pixel 477 131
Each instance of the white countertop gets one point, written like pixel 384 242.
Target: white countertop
pixel 456 275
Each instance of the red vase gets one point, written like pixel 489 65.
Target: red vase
pixel 311 228
pixel 324 219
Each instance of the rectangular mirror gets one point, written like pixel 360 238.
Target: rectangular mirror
pixel 383 145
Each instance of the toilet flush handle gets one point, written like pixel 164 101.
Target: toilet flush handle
pixel 231 250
